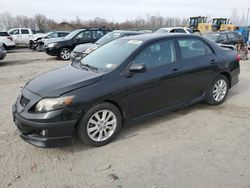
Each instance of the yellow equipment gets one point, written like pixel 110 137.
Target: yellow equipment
pixel 200 25
pixel 223 24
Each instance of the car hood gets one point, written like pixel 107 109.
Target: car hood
pixel 60 39
pixel 62 80
pixel 83 47
pixel 52 40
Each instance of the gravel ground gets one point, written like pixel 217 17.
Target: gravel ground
pixel 199 146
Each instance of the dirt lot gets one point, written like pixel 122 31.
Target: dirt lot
pixel 199 146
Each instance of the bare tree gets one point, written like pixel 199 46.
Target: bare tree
pixel 235 19
pixel 6 19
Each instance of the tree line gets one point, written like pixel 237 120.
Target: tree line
pixel 40 22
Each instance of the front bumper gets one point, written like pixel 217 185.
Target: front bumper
pixel 48 129
pixel 11 46
pixel 77 56
pixel 57 133
pixel 51 51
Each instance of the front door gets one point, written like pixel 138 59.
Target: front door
pixel 158 87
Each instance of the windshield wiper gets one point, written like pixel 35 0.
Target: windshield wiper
pixel 89 66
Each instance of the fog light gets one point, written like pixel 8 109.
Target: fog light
pixel 43 133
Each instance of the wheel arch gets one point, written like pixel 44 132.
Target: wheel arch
pixel 115 103
pixel 118 106
pixel 228 76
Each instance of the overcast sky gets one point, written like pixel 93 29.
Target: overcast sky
pixel 118 10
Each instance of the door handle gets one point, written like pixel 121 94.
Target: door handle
pixel 175 70
pixel 213 61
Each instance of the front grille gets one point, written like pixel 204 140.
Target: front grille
pixel 24 101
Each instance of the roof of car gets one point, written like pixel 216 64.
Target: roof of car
pixel 127 32
pixel 222 32
pixel 168 28
pixel 154 36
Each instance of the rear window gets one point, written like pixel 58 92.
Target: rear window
pixel 3 34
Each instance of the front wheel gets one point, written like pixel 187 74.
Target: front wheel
pixel 64 54
pixel 100 125
pixel 218 90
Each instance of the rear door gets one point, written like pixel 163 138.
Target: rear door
pixel 82 38
pixel 198 66
pixel 25 36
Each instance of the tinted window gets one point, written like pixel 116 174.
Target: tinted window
pixel 191 48
pixel 223 37
pixel 85 35
pixel 62 34
pixel 157 54
pixel 4 34
pixel 53 35
pixel 180 31
pixel 24 31
pixel 97 34
pixel 14 32
pixel 231 36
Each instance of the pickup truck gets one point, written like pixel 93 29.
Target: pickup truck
pixel 22 36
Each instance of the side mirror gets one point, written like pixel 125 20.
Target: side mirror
pixel 137 68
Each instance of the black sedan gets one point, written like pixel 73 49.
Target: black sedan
pixel 124 80
pixel 226 37
pixel 82 50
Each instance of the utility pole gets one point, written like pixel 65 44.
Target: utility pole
pixel 247 17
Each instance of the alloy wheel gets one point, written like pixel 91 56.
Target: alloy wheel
pixel 65 54
pixel 101 125
pixel 220 90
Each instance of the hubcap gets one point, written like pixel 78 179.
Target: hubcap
pixel 101 125
pixel 65 54
pixel 220 90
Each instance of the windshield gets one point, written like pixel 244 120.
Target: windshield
pixel 213 37
pixel 162 31
pixel 108 38
pixel 72 34
pixel 110 56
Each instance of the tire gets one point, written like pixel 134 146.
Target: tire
pixel 89 128
pixel 4 46
pixel 64 54
pixel 39 48
pixel 222 85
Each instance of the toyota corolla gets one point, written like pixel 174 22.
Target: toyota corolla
pixel 124 80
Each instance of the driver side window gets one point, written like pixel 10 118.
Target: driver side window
pixel 15 32
pixel 157 54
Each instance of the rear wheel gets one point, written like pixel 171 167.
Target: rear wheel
pixel 64 54
pixel 100 125
pixel 218 90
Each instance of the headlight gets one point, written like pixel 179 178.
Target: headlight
pixel 51 45
pixel 49 104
